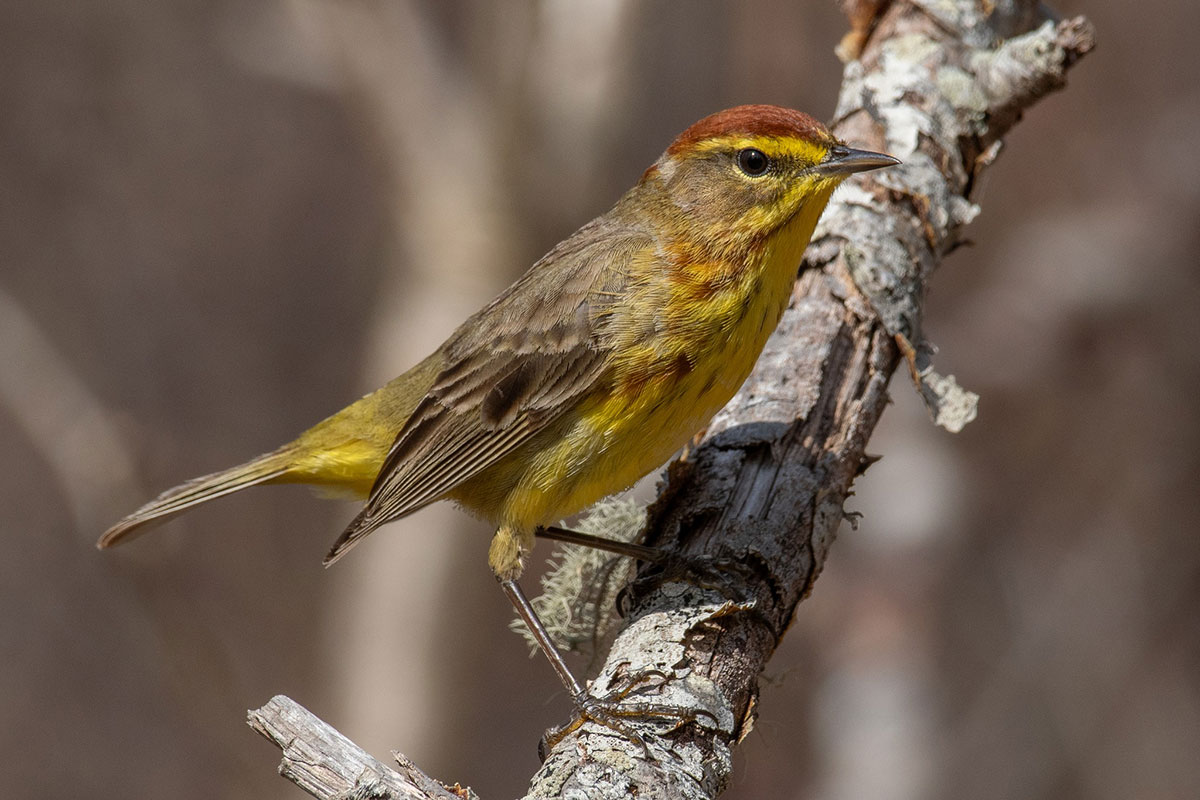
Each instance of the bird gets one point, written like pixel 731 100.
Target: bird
pixel 592 369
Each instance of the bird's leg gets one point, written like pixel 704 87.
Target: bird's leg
pixel 506 557
pixel 703 571
pixel 607 711
pixel 529 616
pixel 640 552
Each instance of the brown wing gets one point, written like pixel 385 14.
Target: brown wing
pixel 514 367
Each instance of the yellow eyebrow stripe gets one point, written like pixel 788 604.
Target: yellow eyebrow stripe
pixel 777 147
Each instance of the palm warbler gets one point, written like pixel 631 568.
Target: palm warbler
pixel 595 366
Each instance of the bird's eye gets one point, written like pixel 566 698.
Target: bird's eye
pixel 753 162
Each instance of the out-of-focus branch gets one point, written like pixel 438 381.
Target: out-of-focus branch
pixel 936 84
pixel 65 421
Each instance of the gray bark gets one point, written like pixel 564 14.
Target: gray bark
pixel 326 764
pixel 937 84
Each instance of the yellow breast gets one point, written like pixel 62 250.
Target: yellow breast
pixel 667 387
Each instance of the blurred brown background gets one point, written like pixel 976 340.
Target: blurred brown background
pixel 220 221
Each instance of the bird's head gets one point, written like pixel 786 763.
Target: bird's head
pixel 749 170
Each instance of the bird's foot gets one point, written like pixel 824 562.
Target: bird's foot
pixel 615 712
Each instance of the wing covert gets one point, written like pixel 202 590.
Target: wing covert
pixel 514 367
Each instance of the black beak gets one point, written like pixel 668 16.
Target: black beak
pixel 842 160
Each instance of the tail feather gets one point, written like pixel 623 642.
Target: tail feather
pixel 362 524
pixel 196 491
pixel 355 531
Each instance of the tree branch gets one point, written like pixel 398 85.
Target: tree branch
pixel 766 488
pixel 329 766
pixel 937 84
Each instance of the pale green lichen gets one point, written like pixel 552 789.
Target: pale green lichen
pixel 951 406
pixel 962 90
